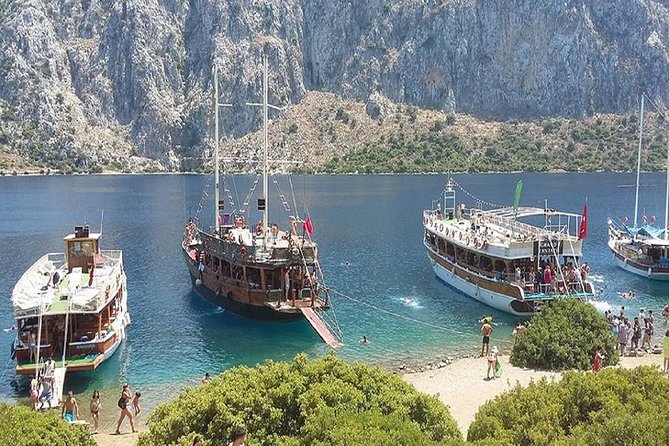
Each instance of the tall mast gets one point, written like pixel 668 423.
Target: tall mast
pixel 265 184
pixel 217 192
pixel 666 205
pixel 638 166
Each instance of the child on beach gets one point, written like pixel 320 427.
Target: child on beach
pixel 135 403
pixel 492 362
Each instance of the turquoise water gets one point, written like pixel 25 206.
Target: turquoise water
pixel 369 231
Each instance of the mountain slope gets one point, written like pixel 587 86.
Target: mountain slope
pixel 129 81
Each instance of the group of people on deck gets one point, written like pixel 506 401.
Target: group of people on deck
pixel 549 278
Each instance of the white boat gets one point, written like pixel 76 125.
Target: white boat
pixel 493 255
pixel 71 306
pixel 642 250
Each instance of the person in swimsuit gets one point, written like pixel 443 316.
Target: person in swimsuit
pixel 136 404
pixel 96 405
pixel 46 393
pixel 123 403
pixel 70 410
pixel 486 329
pixel 33 347
pixel 492 361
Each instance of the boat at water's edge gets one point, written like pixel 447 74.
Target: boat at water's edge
pixel 642 250
pixel 259 271
pixel 71 306
pixel 493 256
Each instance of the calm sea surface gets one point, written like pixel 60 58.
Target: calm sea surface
pixel 369 231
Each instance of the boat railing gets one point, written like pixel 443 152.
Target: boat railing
pixel 106 284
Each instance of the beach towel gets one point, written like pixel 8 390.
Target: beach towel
pixel 498 369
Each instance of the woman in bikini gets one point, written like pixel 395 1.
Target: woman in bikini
pixel 96 405
pixel 123 403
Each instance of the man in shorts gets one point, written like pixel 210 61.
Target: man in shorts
pixel 70 410
pixel 486 329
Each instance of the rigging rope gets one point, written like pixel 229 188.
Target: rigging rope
pixel 401 316
pixel 477 199
pixel 282 197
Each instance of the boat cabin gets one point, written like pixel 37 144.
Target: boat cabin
pixel 81 248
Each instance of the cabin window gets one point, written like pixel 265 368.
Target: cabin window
pixel 79 249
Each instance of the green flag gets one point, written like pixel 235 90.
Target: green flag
pixel 516 199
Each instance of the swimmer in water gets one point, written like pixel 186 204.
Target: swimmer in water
pixel 364 340
pixel 346 263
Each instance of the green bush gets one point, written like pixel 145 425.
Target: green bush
pixel 613 407
pixel 324 402
pixel 21 426
pixel 564 335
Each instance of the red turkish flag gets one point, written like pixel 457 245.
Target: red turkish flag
pixel 583 230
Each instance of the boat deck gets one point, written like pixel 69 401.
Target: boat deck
pixel 89 362
pixel 35 291
pixel 554 296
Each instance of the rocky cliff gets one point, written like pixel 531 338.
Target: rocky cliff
pixel 129 81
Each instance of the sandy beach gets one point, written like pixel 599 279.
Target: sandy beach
pixel 463 387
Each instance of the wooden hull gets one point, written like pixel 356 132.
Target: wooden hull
pixel 248 310
pixel 635 267
pixel 78 365
pixel 251 304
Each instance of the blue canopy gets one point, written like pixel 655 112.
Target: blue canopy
pixel 646 231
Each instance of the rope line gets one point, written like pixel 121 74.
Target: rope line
pixel 401 316
pixel 477 199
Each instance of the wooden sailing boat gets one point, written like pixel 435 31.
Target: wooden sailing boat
pixel 642 250
pixel 260 271
pixel 493 256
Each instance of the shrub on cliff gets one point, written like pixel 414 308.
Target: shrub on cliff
pixel 610 408
pixel 564 335
pixel 326 401
pixel 21 426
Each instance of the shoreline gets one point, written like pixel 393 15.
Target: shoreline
pixel 463 387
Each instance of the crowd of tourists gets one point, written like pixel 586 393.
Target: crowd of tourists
pixel 633 334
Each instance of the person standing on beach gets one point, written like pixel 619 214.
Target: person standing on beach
pixel 623 334
pixel 95 407
pixel 665 348
pixel 123 403
pixel 486 330
pixel 492 362
pixel 647 334
pixel 598 361
pixel 70 411
pixel 636 334
pixel 136 403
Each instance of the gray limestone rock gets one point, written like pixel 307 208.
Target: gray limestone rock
pixel 128 80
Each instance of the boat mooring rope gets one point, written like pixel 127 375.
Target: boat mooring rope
pixel 401 316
